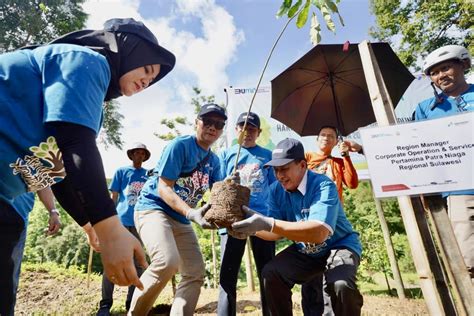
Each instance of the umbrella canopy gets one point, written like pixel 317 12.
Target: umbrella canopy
pixel 327 86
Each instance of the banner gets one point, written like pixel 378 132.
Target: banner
pixel 421 157
pixel 272 130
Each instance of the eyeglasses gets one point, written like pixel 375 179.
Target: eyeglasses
pixel 208 122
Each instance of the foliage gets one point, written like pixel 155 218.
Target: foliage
pixel 177 123
pixel 417 27
pixel 326 7
pixel 360 209
pixel 36 22
pixel 67 248
pixel 111 134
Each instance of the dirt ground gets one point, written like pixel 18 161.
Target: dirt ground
pixel 41 293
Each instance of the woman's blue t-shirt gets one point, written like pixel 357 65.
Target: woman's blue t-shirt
pixel 52 83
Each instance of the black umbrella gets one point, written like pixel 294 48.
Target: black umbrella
pixel 327 86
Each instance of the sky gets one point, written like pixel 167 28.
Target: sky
pixel 217 44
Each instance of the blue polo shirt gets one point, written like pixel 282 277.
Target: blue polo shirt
pixel 127 182
pixel 180 157
pixel 252 173
pixel 449 106
pixel 53 83
pixel 319 202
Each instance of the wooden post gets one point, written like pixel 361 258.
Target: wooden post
pixel 461 281
pixel 434 260
pixel 248 267
pixel 383 110
pixel 214 261
pixel 389 245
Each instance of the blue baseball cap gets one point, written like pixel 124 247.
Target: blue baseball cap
pixel 285 152
pixel 212 108
pixel 252 119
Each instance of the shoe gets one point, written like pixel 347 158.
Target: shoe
pixel 103 311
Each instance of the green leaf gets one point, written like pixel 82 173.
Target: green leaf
pixel 44 146
pixel 340 19
pixel 327 17
pixel 42 7
pixel 317 4
pixel 51 140
pixel 35 149
pixel 303 16
pixel 315 31
pixel 331 5
pixel 294 9
pixel 285 6
pixel 40 154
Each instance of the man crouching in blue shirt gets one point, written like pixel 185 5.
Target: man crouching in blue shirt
pixel 304 207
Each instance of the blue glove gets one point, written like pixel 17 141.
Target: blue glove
pixel 253 223
pixel 197 216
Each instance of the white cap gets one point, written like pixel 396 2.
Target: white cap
pixel 445 53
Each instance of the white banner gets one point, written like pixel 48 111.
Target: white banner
pixel 272 130
pixel 421 157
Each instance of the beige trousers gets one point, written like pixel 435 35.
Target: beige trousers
pixel 461 214
pixel 172 247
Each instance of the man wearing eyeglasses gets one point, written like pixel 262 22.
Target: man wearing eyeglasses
pixel 167 203
pixel 446 67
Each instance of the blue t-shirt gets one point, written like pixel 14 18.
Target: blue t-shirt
pixel 23 204
pixel 181 156
pixel 319 203
pixel 60 82
pixel 251 171
pixel 449 106
pixel 128 183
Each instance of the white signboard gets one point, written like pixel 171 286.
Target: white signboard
pixel 421 157
pixel 273 131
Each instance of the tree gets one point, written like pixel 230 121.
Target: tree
pixel 177 123
pixel 326 7
pixel 415 28
pixel 111 134
pixel 35 22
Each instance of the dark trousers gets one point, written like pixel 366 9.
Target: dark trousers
pixel 288 268
pixel 232 250
pixel 12 243
pixel 335 292
pixel 108 287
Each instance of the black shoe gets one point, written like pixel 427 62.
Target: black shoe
pixel 103 311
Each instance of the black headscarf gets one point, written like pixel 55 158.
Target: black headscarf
pixel 127 44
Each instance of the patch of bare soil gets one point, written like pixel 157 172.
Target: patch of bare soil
pixel 42 293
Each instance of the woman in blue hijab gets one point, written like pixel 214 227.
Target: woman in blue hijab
pixel 51 108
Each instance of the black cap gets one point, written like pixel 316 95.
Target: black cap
pixel 285 152
pixel 212 108
pixel 138 146
pixel 252 119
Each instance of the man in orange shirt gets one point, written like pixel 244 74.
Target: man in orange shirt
pixel 340 295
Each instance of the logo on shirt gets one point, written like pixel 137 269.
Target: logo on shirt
pixel 133 193
pixel 42 169
pixel 251 176
pixel 191 189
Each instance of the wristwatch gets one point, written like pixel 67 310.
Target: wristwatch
pixel 54 211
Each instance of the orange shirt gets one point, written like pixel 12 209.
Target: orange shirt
pixel 340 170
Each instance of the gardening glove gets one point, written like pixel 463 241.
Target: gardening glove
pixel 253 223
pixel 197 216
pixel 235 234
pixel 235 177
